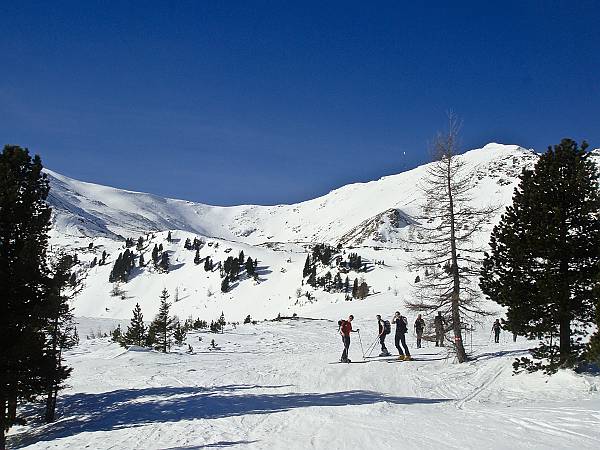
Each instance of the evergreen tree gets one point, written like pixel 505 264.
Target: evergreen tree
pixel 141 261
pixel 163 325
pixel 155 255
pixel 136 331
pixel 225 284
pixel 140 244
pixel 179 333
pixel 207 264
pixel 250 267
pixel 116 334
pixel 306 270
pixel 94 262
pixel 355 288
pixel 24 224
pixel 160 247
pixel 60 333
pixel 544 258
pixel 164 262
pixel 103 259
pixel 169 237
pixel 347 285
pixel 241 257
pixel 197 257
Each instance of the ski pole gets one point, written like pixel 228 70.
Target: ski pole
pixel 361 346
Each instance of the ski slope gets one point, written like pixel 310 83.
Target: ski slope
pixel 278 385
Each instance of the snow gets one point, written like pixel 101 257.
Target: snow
pixel 276 384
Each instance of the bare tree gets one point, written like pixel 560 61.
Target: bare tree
pixel 448 257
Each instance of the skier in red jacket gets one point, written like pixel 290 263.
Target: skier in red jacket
pixel 345 330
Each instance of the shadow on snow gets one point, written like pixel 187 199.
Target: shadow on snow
pixel 126 408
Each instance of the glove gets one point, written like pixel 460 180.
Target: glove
pixel 358 329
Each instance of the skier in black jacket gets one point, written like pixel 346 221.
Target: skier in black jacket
pixel 382 335
pixel 401 330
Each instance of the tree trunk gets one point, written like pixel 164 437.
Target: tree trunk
pixel 461 354
pixel 3 421
pixel 565 337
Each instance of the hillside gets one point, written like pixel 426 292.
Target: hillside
pixel 372 219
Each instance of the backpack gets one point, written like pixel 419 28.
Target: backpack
pixel 387 328
pixel 402 327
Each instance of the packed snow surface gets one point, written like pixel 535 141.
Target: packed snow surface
pixel 278 385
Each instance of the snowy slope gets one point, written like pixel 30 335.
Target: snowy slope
pixel 90 210
pixel 374 218
pixel 277 386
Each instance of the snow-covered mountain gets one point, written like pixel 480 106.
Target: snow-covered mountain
pixel 87 209
pixel 374 217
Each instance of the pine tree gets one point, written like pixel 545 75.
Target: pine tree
pixel 197 257
pixel 249 267
pixel 60 333
pixel 141 261
pixel 306 271
pixel 164 262
pixel 207 264
pixel 155 255
pixel 136 331
pixel 116 334
pixel 544 258
pixel 225 284
pixel 355 288
pixel 179 333
pixel 140 244
pixel 169 237
pixel 163 325
pixel 24 224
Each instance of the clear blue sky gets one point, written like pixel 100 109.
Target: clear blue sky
pixel 274 102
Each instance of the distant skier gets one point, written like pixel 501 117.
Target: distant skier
pixel 419 327
pixel 401 330
pixel 345 330
pixel 384 329
pixel 496 328
pixel 439 323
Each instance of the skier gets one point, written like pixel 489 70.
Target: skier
pixel 401 330
pixel 345 330
pixel 496 328
pixel 419 327
pixel 384 329
pixel 439 330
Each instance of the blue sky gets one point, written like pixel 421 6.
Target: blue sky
pixel 275 102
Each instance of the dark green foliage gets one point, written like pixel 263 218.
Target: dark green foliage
pixel 60 332
pixel 417 279
pixel 250 270
pixel 346 285
pixel 248 319
pixel 116 335
pixel 155 255
pixel 231 268
pixel 164 262
pixel 161 329
pixel 307 267
pixel 122 268
pixel 103 259
pixel 225 285
pixel 208 264
pixel 355 288
pixel 545 254
pixel 199 324
pixel 179 333
pixel 141 260
pixel 24 281
pixel 94 262
pixel 140 244
pixel 169 237
pixel 129 242
pixel 197 257
pixel 188 244
pixel 136 331
pixel 241 257
pixel 197 244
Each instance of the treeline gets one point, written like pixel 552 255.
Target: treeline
pixel 164 330
pixel 323 254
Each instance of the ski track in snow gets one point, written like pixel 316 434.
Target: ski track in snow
pixel 271 387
